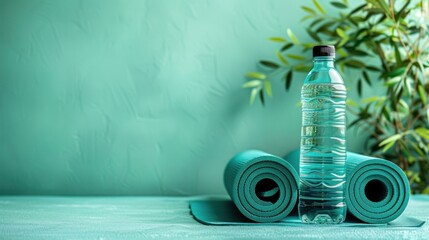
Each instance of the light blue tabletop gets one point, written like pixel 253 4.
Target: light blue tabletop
pixel 29 217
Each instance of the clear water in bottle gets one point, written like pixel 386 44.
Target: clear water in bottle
pixel 323 146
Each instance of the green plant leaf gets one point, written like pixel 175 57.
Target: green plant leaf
pixel 397 55
pixel 392 81
pixel 373 11
pixel 344 38
pixel 253 95
pixel 261 97
pixel 268 88
pixel 282 59
pixel 292 37
pixel 390 139
pixel 341 33
pixel 404 105
pixel 380 102
pixel 385 7
pixel 325 26
pixel 252 84
pixel 370 99
pixel 286 47
pixel 386 113
pixel 288 79
pixel 382 6
pixel 401 11
pixel 366 77
pixel 363 112
pixel 419 64
pixel 341 52
pixel 423 132
pixel 391 24
pixel 372 68
pixel 351 103
pixel 316 21
pixel 306 18
pixel 301 68
pixel 357 52
pixel 407 85
pixel 339 5
pixel 359 87
pixel 357 9
pixel 319 7
pixel 309 10
pixel 422 95
pixel 269 64
pixel 256 75
pixel 356 20
pixel 388 146
pixel 295 56
pixel 355 64
pixel 277 39
pixel 396 72
pixel 342 42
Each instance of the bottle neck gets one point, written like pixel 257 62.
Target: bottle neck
pixel 323 62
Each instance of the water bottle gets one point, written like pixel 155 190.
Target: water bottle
pixel 323 142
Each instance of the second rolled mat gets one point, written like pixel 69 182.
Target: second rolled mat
pixel 377 191
pixel 262 186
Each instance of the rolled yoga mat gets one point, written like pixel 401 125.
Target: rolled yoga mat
pixel 263 187
pixel 377 191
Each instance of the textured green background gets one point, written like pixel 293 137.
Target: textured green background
pixel 137 97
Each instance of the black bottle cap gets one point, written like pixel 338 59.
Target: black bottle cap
pixel 324 50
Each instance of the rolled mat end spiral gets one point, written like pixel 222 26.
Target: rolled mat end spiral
pixel 377 190
pixel 262 186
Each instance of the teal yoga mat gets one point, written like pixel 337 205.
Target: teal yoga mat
pixel 377 191
pixel 263 187
pixel 223 212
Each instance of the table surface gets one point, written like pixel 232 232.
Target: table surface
pixel 28 217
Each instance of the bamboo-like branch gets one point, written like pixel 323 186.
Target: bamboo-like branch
pixel 398 31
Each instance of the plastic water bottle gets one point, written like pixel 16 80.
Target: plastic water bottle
pixel 323 142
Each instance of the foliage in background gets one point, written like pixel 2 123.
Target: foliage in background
pixel 378 40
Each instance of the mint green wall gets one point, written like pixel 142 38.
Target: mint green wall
pixel 137 97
